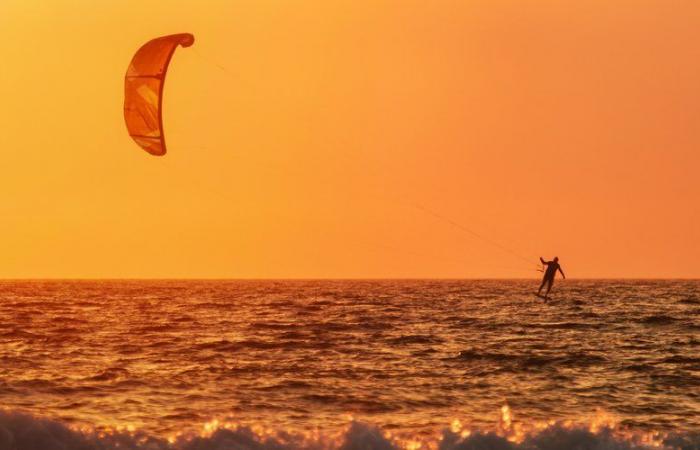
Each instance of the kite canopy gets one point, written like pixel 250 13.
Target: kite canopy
pixel 143 91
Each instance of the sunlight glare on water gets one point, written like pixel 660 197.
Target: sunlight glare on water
pixel 413 358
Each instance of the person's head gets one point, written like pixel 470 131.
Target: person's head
pixel 556 259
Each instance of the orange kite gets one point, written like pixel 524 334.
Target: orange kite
pixel 143 91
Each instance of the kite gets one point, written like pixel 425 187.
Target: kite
pixel 143 91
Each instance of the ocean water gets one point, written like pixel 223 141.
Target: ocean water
pixel 349 364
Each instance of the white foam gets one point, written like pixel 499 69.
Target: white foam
pixel 24 432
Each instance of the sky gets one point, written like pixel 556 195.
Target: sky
pixel 354 139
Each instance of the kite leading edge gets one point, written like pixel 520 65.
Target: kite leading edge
pixel 143 91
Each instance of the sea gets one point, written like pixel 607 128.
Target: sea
pixel 349 364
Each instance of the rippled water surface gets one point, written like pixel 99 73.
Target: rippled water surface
pixel 410 356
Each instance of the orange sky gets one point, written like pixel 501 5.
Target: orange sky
pixel 549 127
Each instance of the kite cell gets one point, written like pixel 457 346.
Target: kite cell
pixel 143 91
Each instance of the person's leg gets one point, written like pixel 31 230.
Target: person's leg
pixel 544 280
pixel 550 282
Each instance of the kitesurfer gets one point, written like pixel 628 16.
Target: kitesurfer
pixel 549 273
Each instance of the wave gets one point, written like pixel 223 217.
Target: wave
pixel 567 325
pixel 272 325
pixel 690 301
pixel 416 339
pixel 659 319
pixel 19 334
pixel 530 361
pixel 19 431
pixel 110 374
pixel 158 328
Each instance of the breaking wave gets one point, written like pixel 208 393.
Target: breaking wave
pixel 19 431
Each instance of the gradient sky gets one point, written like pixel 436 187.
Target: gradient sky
pixel 346 139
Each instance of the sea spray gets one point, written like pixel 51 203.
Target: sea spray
pixel 20 431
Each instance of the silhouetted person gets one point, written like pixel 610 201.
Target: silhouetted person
pixel 549 273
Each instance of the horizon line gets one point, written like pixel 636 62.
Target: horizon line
pixel 343 279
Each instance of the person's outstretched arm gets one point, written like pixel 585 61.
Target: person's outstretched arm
pixel 543 261
pixel 562 273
